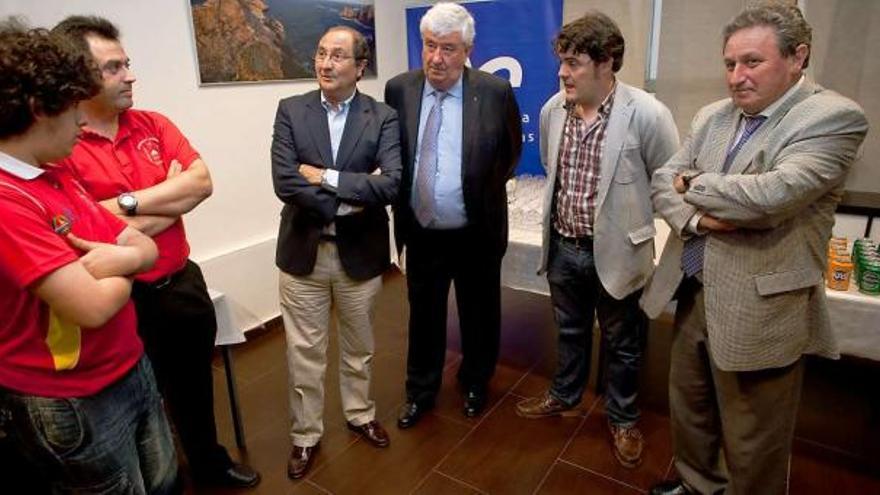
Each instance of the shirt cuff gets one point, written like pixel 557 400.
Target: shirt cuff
pixel 331 178
pixel 693 225
pixel 347 209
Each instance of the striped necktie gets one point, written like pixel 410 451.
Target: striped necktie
pixel 426 174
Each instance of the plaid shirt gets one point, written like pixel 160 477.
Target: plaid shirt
pixel 577 177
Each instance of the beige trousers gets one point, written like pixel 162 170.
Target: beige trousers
pixel 305 308
pixel 749 416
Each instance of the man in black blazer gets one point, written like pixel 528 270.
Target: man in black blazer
pixel 335 165
pixel 461 138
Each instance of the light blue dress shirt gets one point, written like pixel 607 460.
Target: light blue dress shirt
pixel 336 118
pixel 448 197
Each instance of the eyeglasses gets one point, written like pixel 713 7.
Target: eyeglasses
pixel 335 57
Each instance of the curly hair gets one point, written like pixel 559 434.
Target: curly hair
pixel 40 74
pixel 594 35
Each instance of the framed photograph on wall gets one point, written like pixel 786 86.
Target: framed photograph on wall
pixel 270 40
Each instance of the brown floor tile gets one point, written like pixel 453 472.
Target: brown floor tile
pixel 508 454
pixel 565 479
pixel 591 449
pixel 257 357
pixel 437 484
pixel 306 488
pixel 450 400
pixel 816 470
pixel 363 469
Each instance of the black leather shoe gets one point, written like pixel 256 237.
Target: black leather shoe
pixel 670 488
pixel 236 476
pixel 410 414
pixel 474 402
pixel 300 461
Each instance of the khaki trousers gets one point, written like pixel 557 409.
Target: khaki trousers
pixel 749 416
pixel 305 308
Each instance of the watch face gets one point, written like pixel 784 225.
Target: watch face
pixel 127 202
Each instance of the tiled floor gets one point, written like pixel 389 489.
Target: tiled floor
pixel 498 452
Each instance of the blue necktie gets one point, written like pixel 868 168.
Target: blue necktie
pixel 692 254
pixel 427 172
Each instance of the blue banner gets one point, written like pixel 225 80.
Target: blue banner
pixel 514 41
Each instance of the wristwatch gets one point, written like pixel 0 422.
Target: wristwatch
pixel 128 203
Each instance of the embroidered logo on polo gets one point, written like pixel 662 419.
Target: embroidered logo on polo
pixel 61 224
pixel 151 149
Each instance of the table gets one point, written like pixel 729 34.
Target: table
pixel 230 331
pixel 855 317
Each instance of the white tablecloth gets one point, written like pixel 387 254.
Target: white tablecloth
pixel 855 317
pixel 230 327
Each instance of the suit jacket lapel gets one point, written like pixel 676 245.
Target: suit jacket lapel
pixel 412 99
pixel 554 131
pixel 470 112
pixel 319 130
pixel 618 123
pixel 751 148
pixel 718 140
pixel 359 117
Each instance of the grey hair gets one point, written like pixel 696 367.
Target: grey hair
pixel 787 20
pixel 447 18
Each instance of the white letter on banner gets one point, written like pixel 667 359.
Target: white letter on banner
pixel 508 63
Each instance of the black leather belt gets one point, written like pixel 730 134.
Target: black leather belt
pixel 578 242
pixel 162 282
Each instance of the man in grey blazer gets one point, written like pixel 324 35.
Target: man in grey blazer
pixel 750 199
pixel 601 141
pixel 335 165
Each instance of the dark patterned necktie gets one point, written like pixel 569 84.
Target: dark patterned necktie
pixel 427 172
pixel 692 254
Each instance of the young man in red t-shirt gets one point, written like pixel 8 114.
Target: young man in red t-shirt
pixel 140 167
pixel 77 395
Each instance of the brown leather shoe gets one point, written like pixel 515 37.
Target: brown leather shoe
pixel 373 432
pixel 545 406
pixel 627 444
pixel 300 460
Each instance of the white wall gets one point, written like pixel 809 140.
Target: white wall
pixel 233 233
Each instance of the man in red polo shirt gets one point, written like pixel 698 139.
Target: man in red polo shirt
pixel 140 167
pixel 77 397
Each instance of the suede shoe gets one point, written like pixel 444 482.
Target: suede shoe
pixel 300 461
pixel 372 432
pixel 543 407
pixel 627 443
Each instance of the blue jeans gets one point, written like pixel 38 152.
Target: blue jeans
pixel 577 295
pixel 115 442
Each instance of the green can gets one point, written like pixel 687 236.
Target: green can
pixel 869 277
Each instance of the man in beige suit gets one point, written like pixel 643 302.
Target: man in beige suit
pixel 750 199
pixel 601 140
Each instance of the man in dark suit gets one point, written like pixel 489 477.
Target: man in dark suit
pixel 335 165
pixel 461 138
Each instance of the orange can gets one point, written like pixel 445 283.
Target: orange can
pixel 839 273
